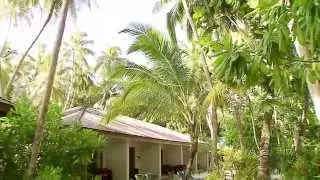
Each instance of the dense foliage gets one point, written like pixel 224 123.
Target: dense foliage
pixel 66 150
pixel 248 76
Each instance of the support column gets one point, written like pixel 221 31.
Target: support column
pixel 116 158
pixel 127 159
pixel 208 164
pixel 196 163
pixel 181 154
pixel 159 160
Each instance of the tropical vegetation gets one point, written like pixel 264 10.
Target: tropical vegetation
pixel 245 80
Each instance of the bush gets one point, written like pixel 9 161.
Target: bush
pixel 50 173
pixel 215 175
pixel 69 148
pixel 245 165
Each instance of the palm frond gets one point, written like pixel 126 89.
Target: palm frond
pixel 136 29
pixel 174 16
pixel 217 95
pixel 164 54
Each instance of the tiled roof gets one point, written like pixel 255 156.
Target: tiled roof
pixel 93 119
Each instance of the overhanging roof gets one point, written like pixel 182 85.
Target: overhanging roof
pixel 122 125
pixel 5 106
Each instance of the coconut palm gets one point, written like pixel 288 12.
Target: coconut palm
pixel 26 6
pixel 78 70
pixel 38 76
pixel 6 57
pixel 35 149
pixel 169 89
pixel 181 10
pixel 106 65
pixel 14 11
pixel 108 61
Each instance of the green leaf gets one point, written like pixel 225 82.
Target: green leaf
pixel 253 3
pixel 261 4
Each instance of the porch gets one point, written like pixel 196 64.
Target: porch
pixel 129 157
pixel 136 147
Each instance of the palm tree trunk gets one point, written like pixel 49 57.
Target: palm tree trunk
pixel 239 126
pixel 264 157
pixel 314 87
pixel 314 90
pixel 1 80
pixel 193 153
pixel 36 144
pixel 237 116
pixel 252 122
pixel 70 88
pixel 17 69
pixel 211 119
pixel 195 32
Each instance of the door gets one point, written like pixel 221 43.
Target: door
pixel 132 169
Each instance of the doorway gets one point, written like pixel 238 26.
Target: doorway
pixel 132 168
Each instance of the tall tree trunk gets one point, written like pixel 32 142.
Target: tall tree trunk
pixel 211 119
pixel 194 133
pixel 252 122
pixel 69 101
pixel 1 80
pixel 239 126
pixel 314 90
pixel 17 69
pixel 195 32
pixel 193 153
pixel 314 87
pixel 264 157
pixel 36 144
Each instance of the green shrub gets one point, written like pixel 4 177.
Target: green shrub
pixel 68 147
pixel 245 165
pixel 50 173
pixel 215 175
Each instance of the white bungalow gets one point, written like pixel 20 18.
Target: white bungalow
pixel 135 146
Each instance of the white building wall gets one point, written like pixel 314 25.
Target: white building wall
pixel 138 148
pixel 186 154
pixel 116 158
pixel 172 155
pixel 150 161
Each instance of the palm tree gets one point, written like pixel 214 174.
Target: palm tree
pixel 35 149
pixel 108 61
pixel 169 89
pixel 39 77
pixel 106 65
pixel 80 74
pixel 36 144
pixel 6 57
pixel 53 6
pixel 176 14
